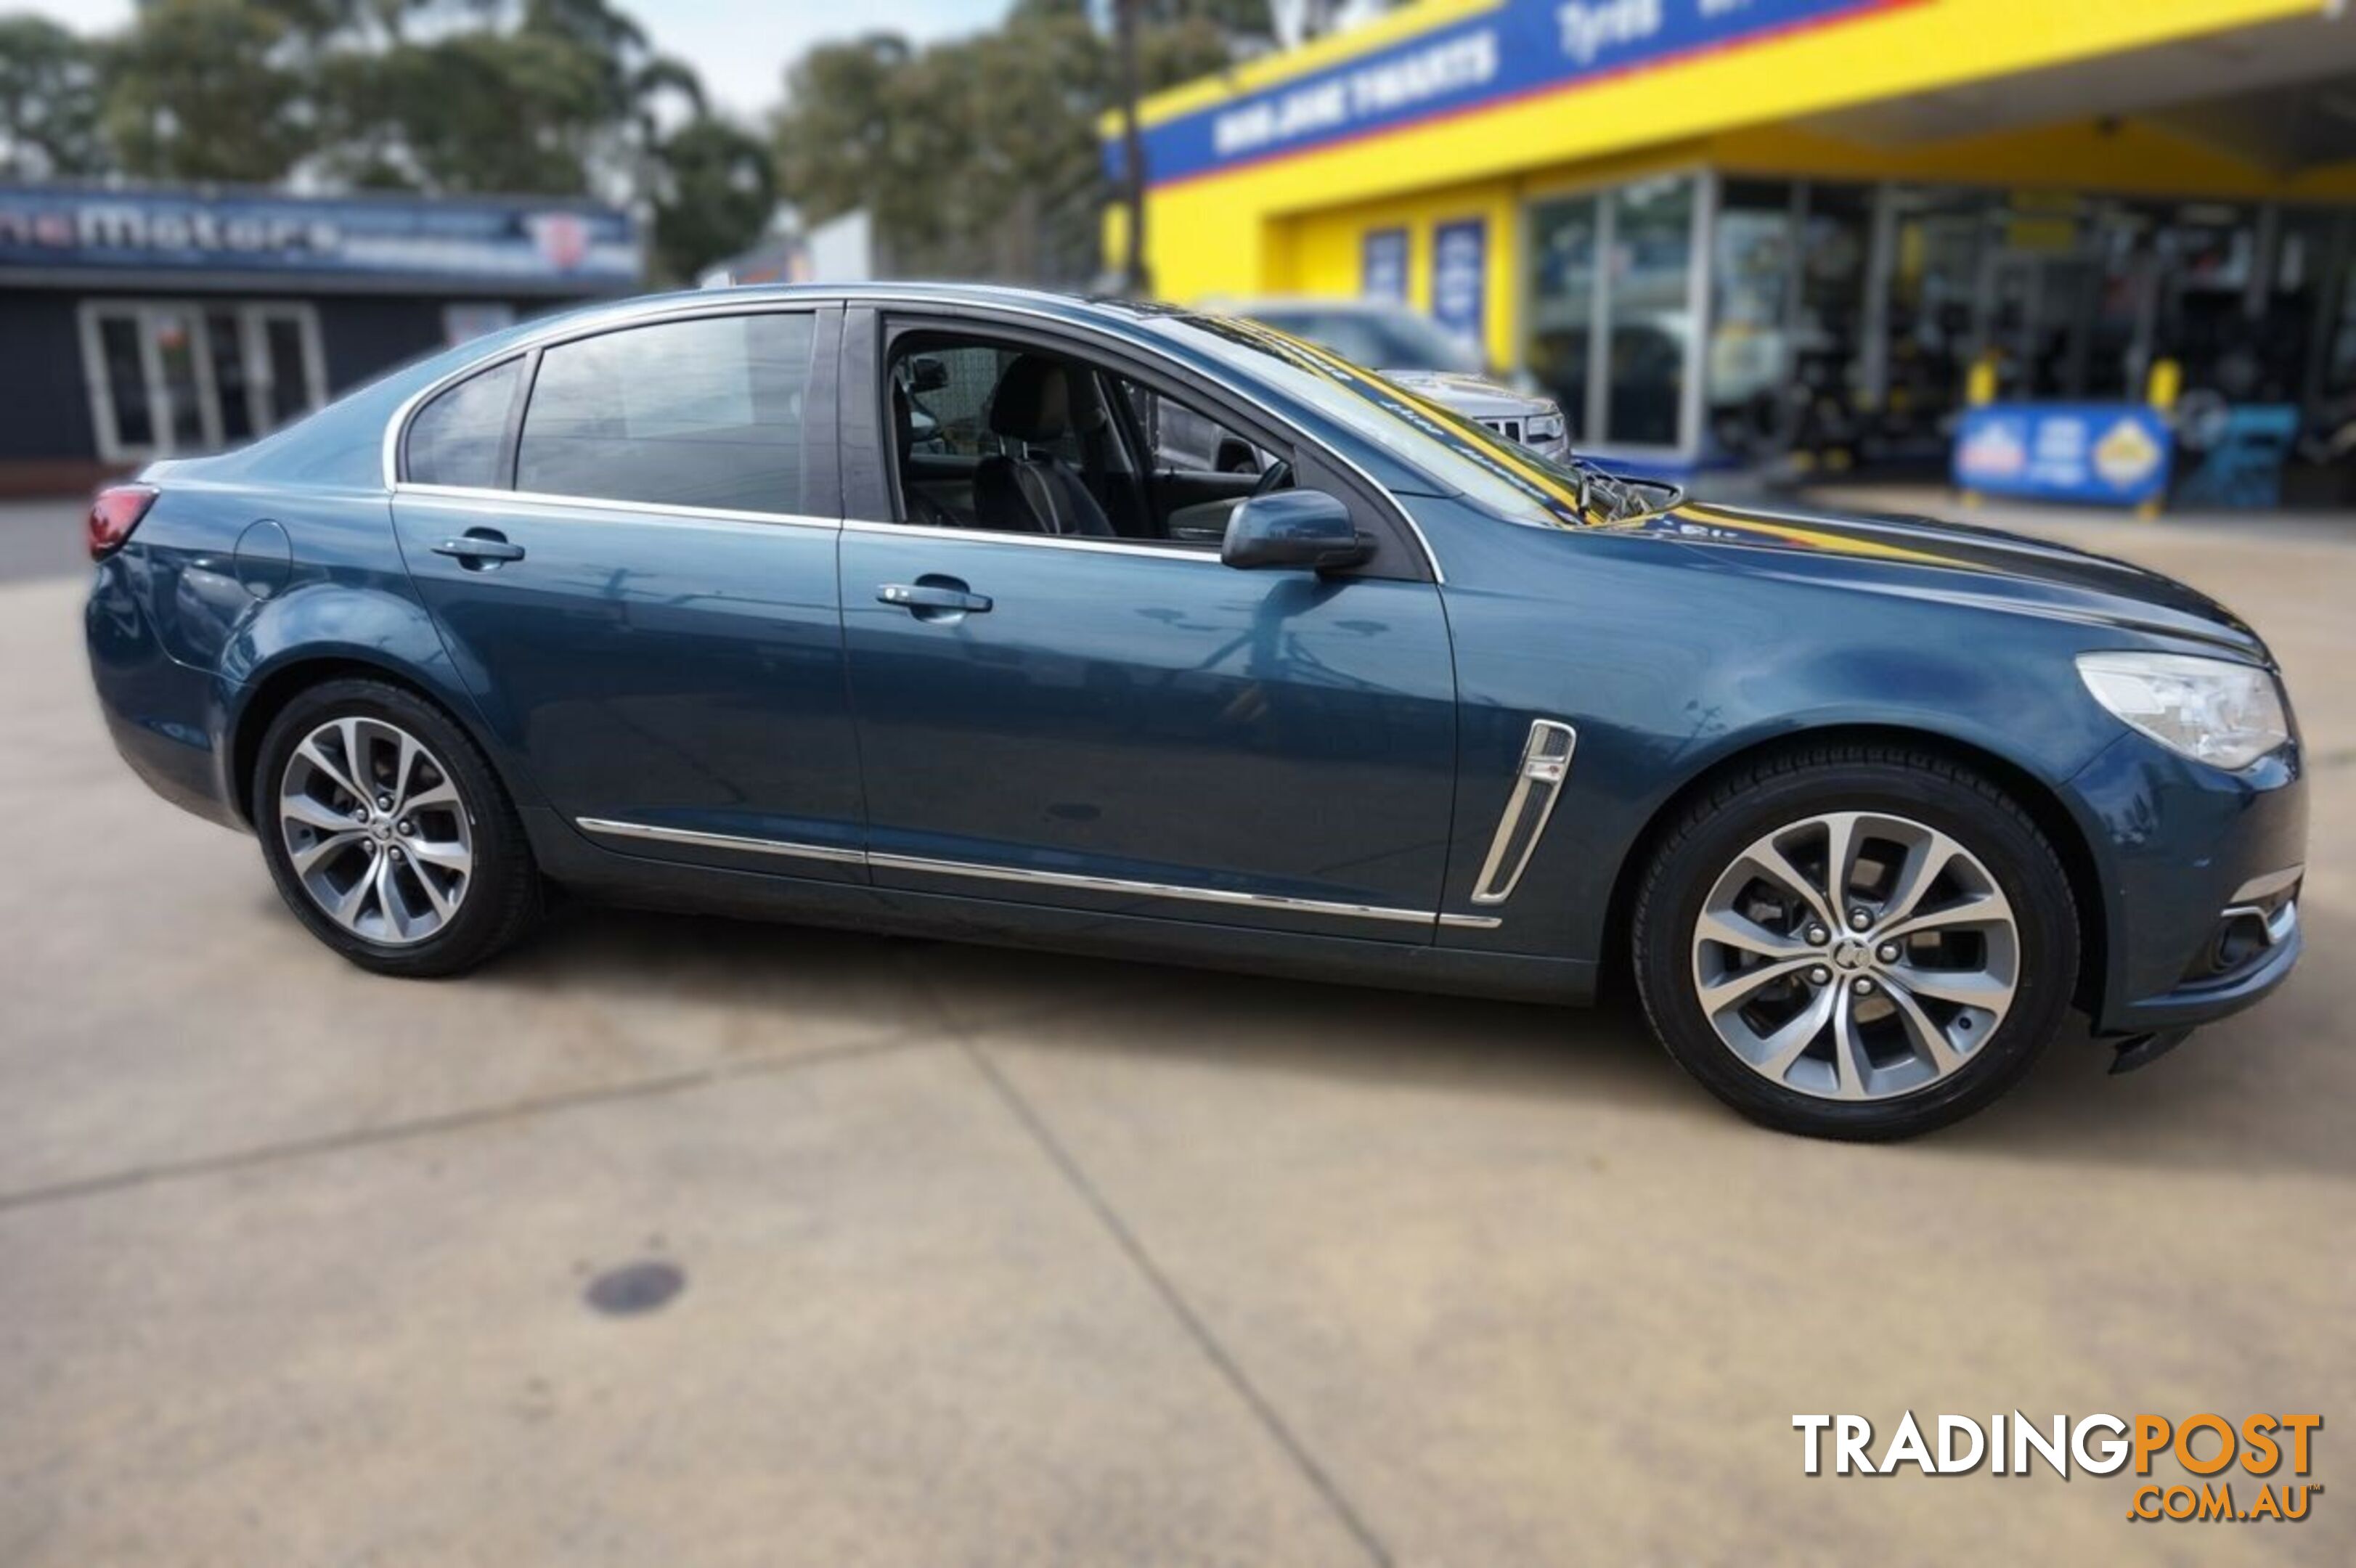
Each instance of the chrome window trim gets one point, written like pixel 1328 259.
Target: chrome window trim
pixel 1051 541
pixel 1538 784
pixel 562 332
pixel 784 846
pixel 1079 881
pixel 558 333
pixel 478 494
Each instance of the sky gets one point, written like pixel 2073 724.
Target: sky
pixel 740 47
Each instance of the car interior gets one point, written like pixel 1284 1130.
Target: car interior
pixel 1011 438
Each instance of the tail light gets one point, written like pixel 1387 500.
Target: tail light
pixel 114 514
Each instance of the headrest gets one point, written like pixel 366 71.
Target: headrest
pixel 1032 401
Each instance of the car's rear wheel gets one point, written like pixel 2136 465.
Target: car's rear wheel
pixel 387 833
pixel 1856 942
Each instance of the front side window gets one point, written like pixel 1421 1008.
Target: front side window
pixel 457 438
pixel 1006 436
pixel 706 413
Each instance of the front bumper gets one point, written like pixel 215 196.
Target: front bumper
pixel 2200 872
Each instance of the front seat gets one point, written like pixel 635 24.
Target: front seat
pixel 1037 493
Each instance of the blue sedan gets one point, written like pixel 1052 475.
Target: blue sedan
pixel 897 608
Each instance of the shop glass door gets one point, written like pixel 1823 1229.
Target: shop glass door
pixel 1557 351
pixel 169 377
pixel 1612 295
pixel 1650 308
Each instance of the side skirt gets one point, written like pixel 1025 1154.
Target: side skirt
pixel 638 881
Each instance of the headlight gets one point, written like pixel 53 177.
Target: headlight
pixel 2213 710
pixel 1547 426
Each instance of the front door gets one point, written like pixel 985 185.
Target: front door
pixel 630 575
pixel 1115 721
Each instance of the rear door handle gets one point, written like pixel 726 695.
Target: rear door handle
pixel 933 598
pixel 478 549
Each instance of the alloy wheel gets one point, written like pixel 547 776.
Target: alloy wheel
pixel 1855 955
pixel 376 831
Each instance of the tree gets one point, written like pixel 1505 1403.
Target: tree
pixel 205 89
pixel 49 102
pixel 714 194
pixel 980 155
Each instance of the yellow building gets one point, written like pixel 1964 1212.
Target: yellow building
pixel 1720 229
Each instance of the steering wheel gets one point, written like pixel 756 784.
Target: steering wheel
pixel 1275 476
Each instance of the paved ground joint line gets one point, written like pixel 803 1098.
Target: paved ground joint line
pixel 445 1122
pixel 1188 1319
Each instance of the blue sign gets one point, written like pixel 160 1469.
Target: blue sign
pixel 560 245
pixel 1382 266
pixel 2113 453
pixel 1460 278
pixel 1517 49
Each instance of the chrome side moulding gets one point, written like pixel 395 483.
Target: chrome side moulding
pixel 1147 890
pixel 721 841
pixel 1537 783
pixel 791 849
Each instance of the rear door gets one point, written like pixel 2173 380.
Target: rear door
pixel 627 539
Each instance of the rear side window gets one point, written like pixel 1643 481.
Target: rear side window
pixel 457 439
pixel 705 412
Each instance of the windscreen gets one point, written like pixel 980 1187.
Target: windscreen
pixel 1380 340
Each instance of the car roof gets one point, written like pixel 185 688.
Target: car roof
pixel 1102 310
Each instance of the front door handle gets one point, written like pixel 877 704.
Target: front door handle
pixel 934 598
pixel 478 549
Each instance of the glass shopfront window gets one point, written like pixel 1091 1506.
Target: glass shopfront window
pixel 1843 319
pixel 1789 288
pixel 1753 270
pixel 1941 238
pixel 1836 235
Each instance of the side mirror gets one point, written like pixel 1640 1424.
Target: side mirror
pixel 926 374
pixel 1303 529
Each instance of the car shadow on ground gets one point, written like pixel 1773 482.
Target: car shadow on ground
pixel 2260 1094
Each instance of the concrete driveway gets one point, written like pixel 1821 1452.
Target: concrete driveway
pixel 681 1242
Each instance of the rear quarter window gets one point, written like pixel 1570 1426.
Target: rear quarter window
pixel 457 438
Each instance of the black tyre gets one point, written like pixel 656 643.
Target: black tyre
pixel 387 833
pixel 1902 992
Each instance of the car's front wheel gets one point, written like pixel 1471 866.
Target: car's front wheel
pixel 1856 942
pixel 387 833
